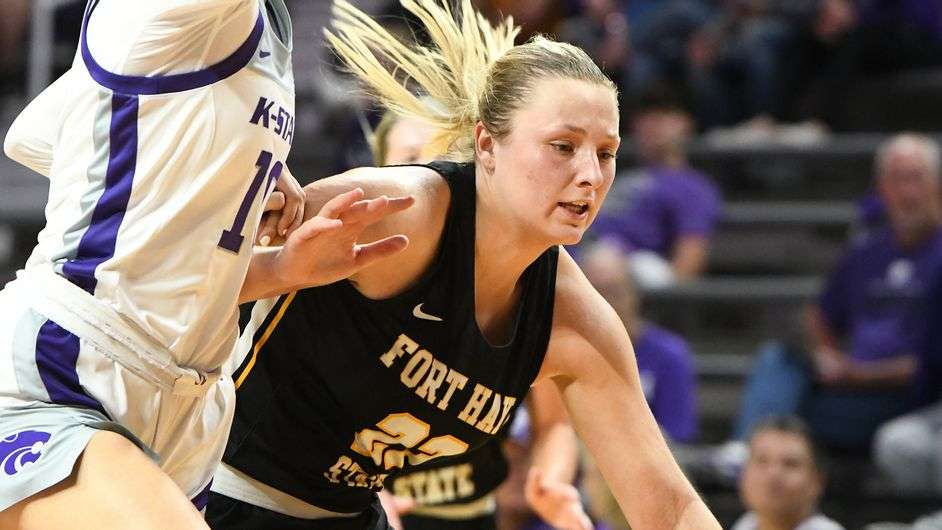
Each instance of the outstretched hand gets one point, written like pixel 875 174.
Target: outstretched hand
pixel 555 502
pixel 325 248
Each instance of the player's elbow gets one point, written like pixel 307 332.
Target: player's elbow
pixel 27 150
pixel 12 145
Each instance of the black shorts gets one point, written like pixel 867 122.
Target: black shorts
pixel 416 522
pixel 226 513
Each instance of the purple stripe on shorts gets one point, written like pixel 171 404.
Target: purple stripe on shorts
pixel 164 84
pixel 57 352
pixel 98 242
pixel 202 498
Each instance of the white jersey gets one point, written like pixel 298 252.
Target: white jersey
pixel 161 144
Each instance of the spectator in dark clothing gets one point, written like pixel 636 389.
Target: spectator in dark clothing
pixel 657 220
pixel 867 330
pixel 851 39
pixel 660 32
pixel 734 64
pixel 601 29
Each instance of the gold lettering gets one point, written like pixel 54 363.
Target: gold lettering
pixel 419 483
pixel 447 476
pixel 473 409
pixel 401 487
pixel 333 474
pixel 436 376
pixel 465 484
pixel 490 421
pixel 454 380
pixel 508 405
pixel 412 373
pixel 433 489
pixel 402 345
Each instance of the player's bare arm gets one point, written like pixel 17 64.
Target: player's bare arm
pixel 591 360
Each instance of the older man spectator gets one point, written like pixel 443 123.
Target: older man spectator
pixel 784 479
pixel 867 329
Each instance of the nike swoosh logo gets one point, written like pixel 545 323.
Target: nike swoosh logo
pixel 262 54
pixel 418 313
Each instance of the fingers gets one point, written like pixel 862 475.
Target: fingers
pixel 267 229
pixel 316 226
pixel 404 505
pixel 293 214
pixel 339 204
pixel 367 212
pixel 531 488
pixel 572 517
pixel 377 250
pixel 276 201
pixel 581 520
pixel 556 502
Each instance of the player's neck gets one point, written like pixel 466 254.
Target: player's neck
pixel 502 252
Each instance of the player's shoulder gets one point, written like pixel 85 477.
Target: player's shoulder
pixel 586 329
pixel 397 180
pixel 579 309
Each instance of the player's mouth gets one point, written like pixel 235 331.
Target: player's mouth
pixel 577 209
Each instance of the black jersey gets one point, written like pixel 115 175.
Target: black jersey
pixel 340 392
pixel 454 480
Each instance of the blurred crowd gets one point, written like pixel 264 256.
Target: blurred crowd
pixel 864 375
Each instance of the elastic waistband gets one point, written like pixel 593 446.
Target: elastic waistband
pixel 233 483
pixel 486 505
pixel 107 331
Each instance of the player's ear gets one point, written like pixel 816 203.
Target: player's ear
pixel 484 147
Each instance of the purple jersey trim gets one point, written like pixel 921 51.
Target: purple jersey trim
pixel 57 352
pixel 98 242
pixel 165 84
pixel 202 498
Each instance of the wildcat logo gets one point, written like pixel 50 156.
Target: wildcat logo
pixel 21 450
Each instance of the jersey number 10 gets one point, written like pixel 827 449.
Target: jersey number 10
pixel 231 239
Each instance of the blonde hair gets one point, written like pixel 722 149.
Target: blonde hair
pixel 378 138
pixel 472 70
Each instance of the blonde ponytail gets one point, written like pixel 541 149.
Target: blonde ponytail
pixel 473 72
pixel 453 72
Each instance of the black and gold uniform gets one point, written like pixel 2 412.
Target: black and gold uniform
pixel 456 492
pixel 339 393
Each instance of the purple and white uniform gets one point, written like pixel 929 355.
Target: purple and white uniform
pixel 161 144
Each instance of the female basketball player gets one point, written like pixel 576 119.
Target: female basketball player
pixel 427 355
pixel 398 141
pixel 161 144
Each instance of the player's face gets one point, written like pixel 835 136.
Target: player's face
pixel 555 167
pixel 406 142
pixel 780 479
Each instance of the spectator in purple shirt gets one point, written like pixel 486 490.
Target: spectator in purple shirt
pixel 867 330
pixel 665 363
pixel 657 220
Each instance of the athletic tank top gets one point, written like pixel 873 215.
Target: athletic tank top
pixel 157 182
pixel 454 480
pixel 337 392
